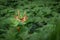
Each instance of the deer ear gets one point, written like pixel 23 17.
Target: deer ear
pixel 18 12
pixel 24 13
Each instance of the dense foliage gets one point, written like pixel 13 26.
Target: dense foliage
pixel 43 20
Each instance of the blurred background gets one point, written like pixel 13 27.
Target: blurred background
pixel 43 21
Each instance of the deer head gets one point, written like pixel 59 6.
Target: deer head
pixel 23 19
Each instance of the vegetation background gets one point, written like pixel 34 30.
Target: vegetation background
pixel 43 20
